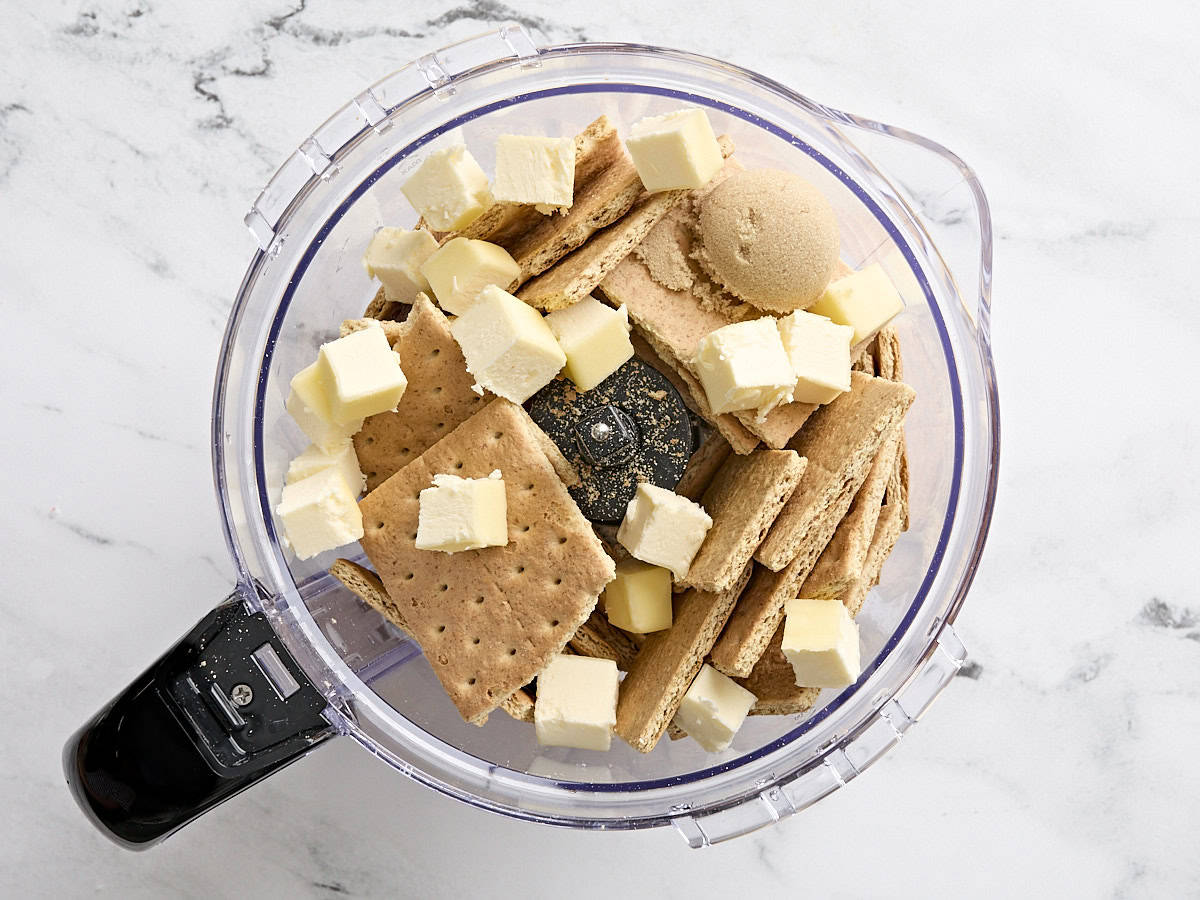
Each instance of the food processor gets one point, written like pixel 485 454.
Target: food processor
pixel 292 658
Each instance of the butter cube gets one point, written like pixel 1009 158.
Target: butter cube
pixel 866 301
pixel 576 703
pixel 713 709
pixel 510 349
pixel 316 459
pixel 638 600
pixel 595 339
pixel 463 514
pixel 538 170
pixel 745 366
pixel 820 640
pixel 308 404
pixel 320 512
pixel 463 267
pixel 361 374
pixel 664 529
pixel 395 257
pixel 675 152
pixel 819 352
pixel 448 189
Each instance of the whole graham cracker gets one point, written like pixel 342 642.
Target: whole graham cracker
pixel 887 532
pixel 841 562
pixel 840 441
pixel 743 500
pixel 369 588
pixel 740 440
pixel 668 662
pixel 438 397
pixel 773 682
pixel 599 638
pixel 704 464
pixel 488 620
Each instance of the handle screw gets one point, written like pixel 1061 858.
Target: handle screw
pixel 241 695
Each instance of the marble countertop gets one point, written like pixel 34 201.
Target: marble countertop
pixel 134 134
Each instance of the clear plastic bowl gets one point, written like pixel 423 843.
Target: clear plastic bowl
pixel 894 194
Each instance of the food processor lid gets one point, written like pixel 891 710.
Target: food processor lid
pixel 291 219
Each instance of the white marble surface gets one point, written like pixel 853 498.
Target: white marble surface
pixel 134 133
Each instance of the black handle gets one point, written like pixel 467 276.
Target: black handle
pixel 223 708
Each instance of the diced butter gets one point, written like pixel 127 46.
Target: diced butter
pixel 538 170
pixel 315 459
pixel 866 300
pixel 448 189
pixel 395 257
pixel 675 152
pixel 744 366
pixel 664 529
pixel 361 374
pixel 820 640
pixel 308 404
pixel 638 599
pixel 463 267
pixel 509 348
pixel 462 514
pixel 576 703
pixel 819 351
pixel 320 512
pixel 713 709
pixel 595 339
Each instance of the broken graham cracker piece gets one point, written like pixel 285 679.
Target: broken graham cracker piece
pixel 600 639
pixel 392 330
pixel 668 662
pixel 891 366
pixel 841 562
pixel 368 587
pixel 743 500
pixel 703 466
pixel 383 309
pixel 773 682
pixel 488 620
pixel 577 274
pixel 887 532
pixel 438 398
pixel 740 440
pixel 840 441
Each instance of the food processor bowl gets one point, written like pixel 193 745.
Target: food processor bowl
pixel 294 658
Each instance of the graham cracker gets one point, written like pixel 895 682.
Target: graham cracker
pixel 488 620
pixel 383 309
pixel 668 662
pixel 576 275
pixel 708 458
pixel 773 682
pixel 779 425
pixel 438 397
pixel 392 330
pixel 847 437
pixel 740 440
pixel 887 532
pixel 891 366
pixel 369 588
pixel 599 638
pixel 841 562
pixel 840 440
pixel 743 500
